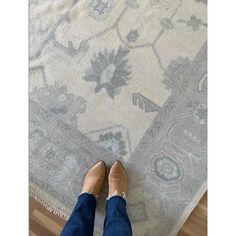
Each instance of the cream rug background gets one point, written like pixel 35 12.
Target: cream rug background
pixel 121 80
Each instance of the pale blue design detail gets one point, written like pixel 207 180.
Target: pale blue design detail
pixel 50 152
pixel 115 139
pixel 70 49
pixel 160 4
pixel 36 138
pixel 100 9
pixel 56 99
pixel 194 22
pixel 113 142
pixel 203 1
pixel 166 168
pixel 200 114
pixel 110 71
pixel 132 3
pixel 144 103
pixel 36 27
pixel 137 212
pixel 166 23
pixel 176 69
pixel 132 36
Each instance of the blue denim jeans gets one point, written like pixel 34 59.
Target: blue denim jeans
pixel 81 221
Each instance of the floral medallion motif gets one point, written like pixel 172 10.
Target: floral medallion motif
pixel 176 69
pixel 110 71
pixel 114 143
pixel 132 36
pixel 115 139
pixel 200 114
pixel 100 9
pixel 194 22
pixel 56 99
pixel 166 168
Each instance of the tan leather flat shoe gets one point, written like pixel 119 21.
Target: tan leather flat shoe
pixel 94 179
pixel 117 180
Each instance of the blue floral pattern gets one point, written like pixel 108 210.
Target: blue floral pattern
pixel 176 69
pixel 166 168
pixel 56 99
pixel 110 71
pixel 194 22
pixel 114 143
pixel 132 36
pixel 100 9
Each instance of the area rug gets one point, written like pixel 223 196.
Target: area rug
pixel 125 80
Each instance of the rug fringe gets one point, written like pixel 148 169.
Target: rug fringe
pixel 42 198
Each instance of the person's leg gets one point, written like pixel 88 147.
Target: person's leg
pixel 81 221
pixel 117 222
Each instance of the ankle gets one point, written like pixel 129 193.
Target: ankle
pixel 89 192
pixel 117 194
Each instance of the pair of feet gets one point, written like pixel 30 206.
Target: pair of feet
pixel 117 179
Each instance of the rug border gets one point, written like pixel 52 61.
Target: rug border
pixel 197 197
pixel 48 202
pixel 60 210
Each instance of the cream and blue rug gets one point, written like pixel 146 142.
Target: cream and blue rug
pixel 126 80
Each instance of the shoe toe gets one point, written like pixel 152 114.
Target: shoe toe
pixel 99 168
pixel 117 169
